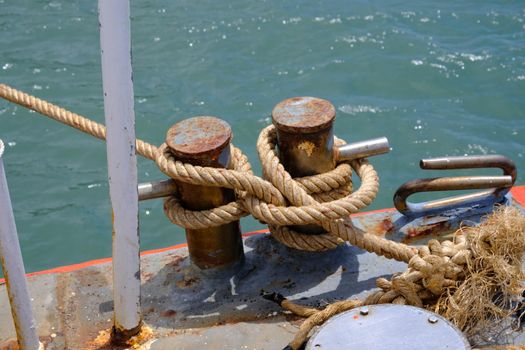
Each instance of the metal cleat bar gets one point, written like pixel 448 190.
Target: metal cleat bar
pixel 362 149
pixel 156 189
pixel 351 151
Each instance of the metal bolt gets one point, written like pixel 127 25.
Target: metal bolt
pixel 432 319
pixel 364 311
pixel 205 141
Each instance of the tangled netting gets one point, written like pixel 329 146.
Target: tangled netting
pixel 471 280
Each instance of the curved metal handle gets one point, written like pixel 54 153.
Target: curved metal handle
pixel 500 185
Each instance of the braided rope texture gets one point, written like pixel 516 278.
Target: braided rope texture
pixel 278 200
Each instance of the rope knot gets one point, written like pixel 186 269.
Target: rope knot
pixel 440 265
pixel 436 267
pixel 239 178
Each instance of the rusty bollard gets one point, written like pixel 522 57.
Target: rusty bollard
pixel 304 135
pixel 205 141
pixel 305 139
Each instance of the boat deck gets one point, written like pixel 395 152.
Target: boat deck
pixel 188 309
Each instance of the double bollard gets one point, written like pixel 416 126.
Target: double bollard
pixel 306 146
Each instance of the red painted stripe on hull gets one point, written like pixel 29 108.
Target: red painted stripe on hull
pixel 518 194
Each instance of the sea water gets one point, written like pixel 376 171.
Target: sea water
pixel 435 78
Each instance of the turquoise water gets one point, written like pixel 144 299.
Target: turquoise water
pixel 436 79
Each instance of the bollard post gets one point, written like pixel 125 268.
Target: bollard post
pixel 205 141
pixel 304 135
pixel 14 272
pixel 115 45
pixel 305 139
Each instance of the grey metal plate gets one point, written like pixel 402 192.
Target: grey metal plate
pixel 387 327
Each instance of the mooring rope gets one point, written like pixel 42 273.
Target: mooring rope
pixel 263 199
pixel 69 118
pixel 434 271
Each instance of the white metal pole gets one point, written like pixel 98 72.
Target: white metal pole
pixel 13 268
pixel 115 44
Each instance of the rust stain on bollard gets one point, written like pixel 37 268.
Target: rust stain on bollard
pixel 205 141
pixel 305 139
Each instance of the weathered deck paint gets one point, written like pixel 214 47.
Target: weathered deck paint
pixel 188 309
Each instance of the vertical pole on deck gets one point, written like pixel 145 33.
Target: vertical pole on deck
pixel 115 44
pixel 13 268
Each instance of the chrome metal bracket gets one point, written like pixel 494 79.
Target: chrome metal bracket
pixel 499 185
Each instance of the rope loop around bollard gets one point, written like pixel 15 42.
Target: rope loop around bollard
pixel 332 215
pixel 218 216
